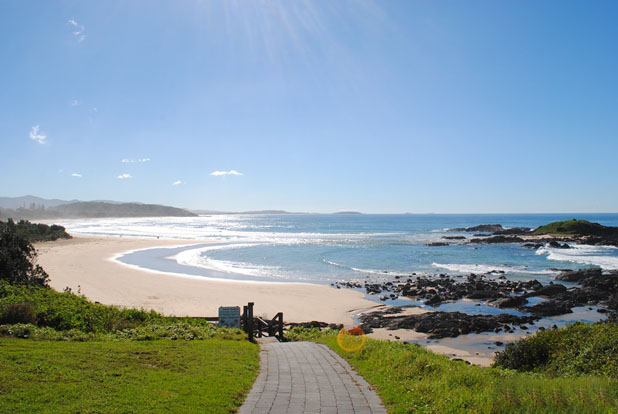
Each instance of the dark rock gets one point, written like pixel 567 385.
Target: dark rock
pixel 434 300
pixel 606 282
pixel 436 244
pixel 577 275
pixel 483 294
pixel 548 290
pixel 549 308
pixel 514 231
pixel 312 324
pixel 454 237
pixel 509 302
pixel 489 228
pixel 498 239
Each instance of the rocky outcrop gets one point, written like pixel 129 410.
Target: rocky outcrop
pixel 577 275
pixel 444 324
pixel 549 308
pixel 498 239
pixel 488 228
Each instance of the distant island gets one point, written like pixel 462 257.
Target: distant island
pixel 348 212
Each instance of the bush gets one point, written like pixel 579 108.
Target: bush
pixel 575 350
pixel 34 232
pixel 17 313
pixel 17 257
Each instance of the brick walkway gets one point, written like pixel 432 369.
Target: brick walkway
pixel 305 377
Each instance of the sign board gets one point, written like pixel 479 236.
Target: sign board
pixel 229 316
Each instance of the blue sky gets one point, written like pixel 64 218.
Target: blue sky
pixel 394 106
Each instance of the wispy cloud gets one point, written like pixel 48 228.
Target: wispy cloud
pixel 177 182
pixel 131 161
pixel 230 172
pixel 37 136
pixel 75 102
pixel 76 175
pixel 124 176
pixel 78 30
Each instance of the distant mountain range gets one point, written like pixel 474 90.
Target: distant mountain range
pixel 31 207
pixel 31 202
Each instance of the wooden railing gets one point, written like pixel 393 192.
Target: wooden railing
pixel 256 327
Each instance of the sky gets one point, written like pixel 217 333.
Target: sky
pixel 313 106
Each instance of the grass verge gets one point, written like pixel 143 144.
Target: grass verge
pixel 409 378
pixel 210 376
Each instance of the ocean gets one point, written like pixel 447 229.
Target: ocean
pixel 325 248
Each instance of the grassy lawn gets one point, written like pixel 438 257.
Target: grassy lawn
pixel 409 379
pixel 210 376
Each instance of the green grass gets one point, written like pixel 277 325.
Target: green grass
pixel 210 376
pixel 409 378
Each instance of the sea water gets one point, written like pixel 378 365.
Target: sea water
pixel 324 248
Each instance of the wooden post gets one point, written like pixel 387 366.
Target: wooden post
pixel 244 318
pixel 250 321
pixel 280 315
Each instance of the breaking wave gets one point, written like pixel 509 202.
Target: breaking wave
pixel 602 256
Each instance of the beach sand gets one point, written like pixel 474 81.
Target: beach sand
pixel 87 263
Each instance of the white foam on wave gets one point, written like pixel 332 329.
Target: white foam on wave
pixel 486 268
pixel 602 256
pixel 199 258
pixel 368 271
pixel 218 228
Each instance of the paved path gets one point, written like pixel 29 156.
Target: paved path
pixel 305 377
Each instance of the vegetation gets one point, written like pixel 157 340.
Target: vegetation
pixel 17 257
pixel 410 378
pixel 576 228
pixel 125 377
pixel 42 313
pixel 35 232
pixel 575 350
pixel 91 358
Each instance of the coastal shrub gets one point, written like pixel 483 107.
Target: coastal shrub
pixel 64 311
pixel 17 260
pixel 299 333
pixel 156 331
pixel 577 349
pixel 34 232
pixel 17 313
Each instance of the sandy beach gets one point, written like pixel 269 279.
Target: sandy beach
pixel 87 263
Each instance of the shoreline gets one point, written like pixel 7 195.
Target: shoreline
pixel 88 262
